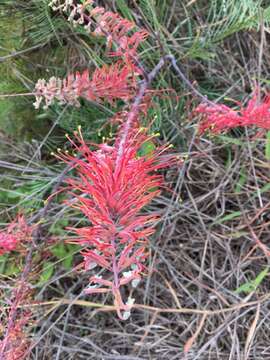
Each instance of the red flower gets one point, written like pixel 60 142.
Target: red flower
pixel 111 196
pixel 217 118
pixel 17 232
pixel 8 242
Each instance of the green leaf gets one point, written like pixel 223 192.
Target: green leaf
pixel 252 285
pixel 65 253
pixel 228 161
pixel 47 272
pixel 58 228
pixel 267 146
pixel 67 262
pixel 261 276
pixel 59 250
pixel 264 189
pixel 241 181
pixel 146 149
pixel 229 140
pixel 237 234
pixel 246 288
pixel 228 217
pixel 11 269
pixel 3 261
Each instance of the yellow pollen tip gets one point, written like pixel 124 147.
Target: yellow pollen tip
pixel 79 127
pixel 170 146
pixel 52 153
pixel 59 150
pixel 66 135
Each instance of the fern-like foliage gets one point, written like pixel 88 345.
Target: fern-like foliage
pixel 226 17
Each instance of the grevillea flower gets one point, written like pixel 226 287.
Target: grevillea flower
pixel 15 342
pixel 99 22
pixel 17 232
pixel 217 118
pixel 111 193
pixel 8 242
pixel 16 346
pixel 109 83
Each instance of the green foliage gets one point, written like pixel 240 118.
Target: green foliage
pixel 231 216
pixel 146 149
pixel 241 181
pixel 46 273
pixel 28 196
pixel 267 146
pixel 9 265
pixel 88 116
pixel 252 285
pixel 228 17
pixel 65 253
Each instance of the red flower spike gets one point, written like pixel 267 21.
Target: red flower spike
pixel 218 118
pixel 112 201
pixel 109 83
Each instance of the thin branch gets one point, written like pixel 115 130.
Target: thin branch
pixel 19 52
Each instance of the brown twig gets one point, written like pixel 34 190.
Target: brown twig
pixel 142 307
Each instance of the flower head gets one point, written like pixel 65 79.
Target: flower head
pixel 17 232
pixel 109 83
pixel 217 118
pixel 99 22
pixel 112 197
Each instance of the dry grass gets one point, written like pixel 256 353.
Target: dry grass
pixel 213 236
pixel 188 307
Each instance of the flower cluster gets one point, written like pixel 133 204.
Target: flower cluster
pixel 8 242
pixel 99 22
pixel 16 233
pixel 15 342
pixel 109 83
pixel 217 118
pixel 111 193
pixel 115 181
